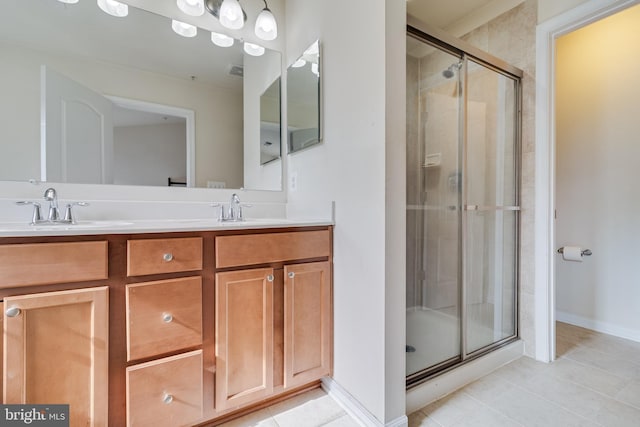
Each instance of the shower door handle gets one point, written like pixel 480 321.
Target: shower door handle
pixel 490 208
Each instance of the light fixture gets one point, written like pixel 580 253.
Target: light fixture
pixel 231 14
pixel 221 40
pixel 266 26
pixel 191 7
pixel 184 29
pixel 69 1
pixel 114 8
pixel 299 63
pixel 315 69
pixel 253 49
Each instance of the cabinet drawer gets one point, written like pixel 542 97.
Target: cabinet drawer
pixel 157 256
pixel 248 249
pixel 163 316
pixel 46 263
pixel 165 392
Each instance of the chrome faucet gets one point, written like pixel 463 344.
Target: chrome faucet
pixel 234 212
pixel 51 196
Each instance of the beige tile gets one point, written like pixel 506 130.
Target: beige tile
pixel 617 414
pixel 260 418
pixel 613 364
pixel 489 388
pixel 453 408
pixel 630 394
pixel 312 409
pixel 343 421
pixel 531 410
pixel 420 419
pixel 587 376
pixel 521 370
pixel 487 417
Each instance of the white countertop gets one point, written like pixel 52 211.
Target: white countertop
pixel 22 229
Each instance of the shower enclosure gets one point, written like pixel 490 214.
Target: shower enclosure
pixel 463 127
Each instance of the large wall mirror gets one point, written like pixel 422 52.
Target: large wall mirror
pixel 304 100
pixel 91 98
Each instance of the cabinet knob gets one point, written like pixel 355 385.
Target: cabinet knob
pixel 167 257
pixel 167 398
pixel 13 312
pixel 167 317
pixel 270 278
pixel 291 275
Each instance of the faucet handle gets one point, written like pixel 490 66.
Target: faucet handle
pixel 68 214
pixel 221 212
pixel 36 216
pixel 240 215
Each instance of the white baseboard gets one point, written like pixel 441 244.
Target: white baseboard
pixel 598 326
pixel 354 408
pixel 449 382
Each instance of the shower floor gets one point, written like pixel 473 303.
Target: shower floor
pixel 435 334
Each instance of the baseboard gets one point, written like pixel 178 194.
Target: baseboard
pixel 598 326
pixel 442 385
pixel 354 408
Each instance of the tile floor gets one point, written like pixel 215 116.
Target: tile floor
pixel 311 409
pixel 595 381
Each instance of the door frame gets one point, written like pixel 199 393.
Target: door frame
pixel 545 161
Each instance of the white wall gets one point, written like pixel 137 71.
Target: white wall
pixel 149 154
pixel 360 166
pixel 597 104
pixel 550 8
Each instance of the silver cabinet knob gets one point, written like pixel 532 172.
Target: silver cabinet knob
pixel 167 398
pixel 291 275
pixel 167 257
pixel 167 317
pixel 13 312
pixel 270 278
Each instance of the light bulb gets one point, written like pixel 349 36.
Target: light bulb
pixel 114 8
pixel 266 26
pixel 312 50
pixel 69 1
pixel 191 7
pixel 184 29
pixel 253 49
pixel 231 14
pixel 299 63
pixel 315 69
pixel 221 40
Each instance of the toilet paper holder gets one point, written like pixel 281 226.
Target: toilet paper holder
pixel 585 252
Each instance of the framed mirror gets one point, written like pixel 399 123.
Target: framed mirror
pixel 304 100
pixel 151 107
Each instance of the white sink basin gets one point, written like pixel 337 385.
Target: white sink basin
pixel 20 226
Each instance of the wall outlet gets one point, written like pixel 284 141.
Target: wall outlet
pixel 293 181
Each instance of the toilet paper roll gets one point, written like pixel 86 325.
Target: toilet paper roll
pixel 572 253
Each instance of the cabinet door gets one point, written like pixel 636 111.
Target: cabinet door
pixel 307 323
pixel 244 336
pixel 59 352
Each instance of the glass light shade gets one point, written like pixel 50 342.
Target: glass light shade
pixel 231 14
pixel 313 50
pixel 191 7
pixel 184 29
pixel 315 69
pixel 253 49
pixel 114 8
pixel 221 40
pixel 266 26
pixel 299 63
pixel 69 1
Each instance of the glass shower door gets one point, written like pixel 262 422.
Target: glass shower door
pixel 433 210
pixel 491 208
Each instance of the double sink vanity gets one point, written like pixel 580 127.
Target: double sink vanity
pixel 164 323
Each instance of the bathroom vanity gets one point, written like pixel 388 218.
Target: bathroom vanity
pixel 188 325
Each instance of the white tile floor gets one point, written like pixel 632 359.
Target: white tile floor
pixel 311 409
pixel 594 382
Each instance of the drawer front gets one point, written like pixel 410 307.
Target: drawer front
pixel 165 392
pixel 163 316
pixel 47 263
pixel 249 249
pixel 157 256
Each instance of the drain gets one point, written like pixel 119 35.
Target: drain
pixel 410 349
